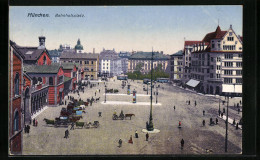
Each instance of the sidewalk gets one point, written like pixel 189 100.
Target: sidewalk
pixel 116 94
pixel 130 103
pixel 230 121
pixel 39 112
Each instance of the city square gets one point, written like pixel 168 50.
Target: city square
pixel 103 140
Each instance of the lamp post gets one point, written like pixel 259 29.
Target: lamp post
pixel 147 88
pixel 156 94
pixel 219 107
pixel 226 140
pixel 105 93
pixel 150 124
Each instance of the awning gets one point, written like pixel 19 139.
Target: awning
pixel 193 83
pixel 61 89
pixel 230 88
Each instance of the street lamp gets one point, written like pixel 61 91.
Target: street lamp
pixel 147 88
pixel 219 106
pixel 156 93
pixel 149 126
pixel 105 93
pixel 226 140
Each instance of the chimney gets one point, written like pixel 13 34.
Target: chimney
pixel 41 42
pixel 161 52
pixel 231 26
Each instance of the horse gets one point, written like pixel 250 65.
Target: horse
pixel 129 115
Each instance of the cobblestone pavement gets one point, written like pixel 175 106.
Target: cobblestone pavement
pixel 48 140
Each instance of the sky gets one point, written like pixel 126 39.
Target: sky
pixel 124 28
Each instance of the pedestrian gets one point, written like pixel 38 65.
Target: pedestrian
pixel 238 110
pixel 147 136
pixel 25 129
pixel 72 126
pixel 210 121
pixel 179 124
pixel 30 121
pixel 28 129
pixel 195 103
pixel 66 134
pixel 130 140
pixel 203 112
pixel 36 122
pixel 174 107
pixel 234 122
pixel 221 115
pixel 237 126
pixel 120 143
pixel 136 134
pixel 99 90
pixel 65 102
pixel 240 102
pixel 224 110
pixel 33 122
pixel 203 122
pixel 182 143
pixel 189 102
pixel 216 120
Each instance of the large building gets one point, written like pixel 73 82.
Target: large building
pixel 176 66
pixel 145 60
pixel 124 61
pixel 110 63
pixel 88 63
pixel 217 63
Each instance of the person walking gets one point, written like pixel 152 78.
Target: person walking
pixel 72 126
pixel 189 102
pixel 33 122
pixel 174 107
pixel 28 129
pixel 203 122
pixel 216 120
pixel 238 110
pixel 120 143
pixel 65 102
pixel 234 122
pixel 66 134
pixel 195 103
pixel 224 110
pixel 222 115
pixel 240 102
pixel 136 134
pixel 36 122
pixel 237 126
pixel 203 112
pixel 147 136
pixel 130 140
pixel 99 90
pixel 179 124
pixel 182 143
pixel 25 129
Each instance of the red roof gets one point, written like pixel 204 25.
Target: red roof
pixel 190 43
pixel 214 35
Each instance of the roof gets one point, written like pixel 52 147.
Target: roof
pixel 148 55
pixel 179 53
pixel 68 65
pixel 70 55
pixel 16 51
pixel 54 53
pixel 30 53
pixel 193 83
pixel 190 43
pixel 241 38
pixel 53 68
pixel 214 35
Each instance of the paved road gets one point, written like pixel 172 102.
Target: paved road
pixel 44 140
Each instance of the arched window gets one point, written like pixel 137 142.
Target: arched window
pixel 40 79
pixel 16 121
pixel 16 84
pixel 34 80
pixel 44 60
pixel 50 81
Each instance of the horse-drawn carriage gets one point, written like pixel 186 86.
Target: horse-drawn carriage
pixel 59 121
pixel 122 116
pixel 87 125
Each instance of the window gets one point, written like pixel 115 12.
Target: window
pixel 230 38
pixel 211 67
pixel 80 62
pixel 213 45
pixel 228 64
pixel 16 84
pixel 207 70
pixel 92 70
pixel 239 80
pixel 39 80
pixel 211 59
pixel 44 60
pixel 230 33
pixel 60 80
pixel 238 72
pixel 228 72
pixel 229 47
pixel 50 81
pixel 87 62
pixel 239 64
pixel 218 67
pixel 240 55
pixel 34 80
pixel 211 75
pixel 228 56
pixel 218 75
pixel 218 59
pixel 16 121
pixel 92 62
pixel 227 80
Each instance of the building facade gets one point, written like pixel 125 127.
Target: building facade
pixel 124 61
pixel 87 62
pixel 110 63
pixel 144 59
pixel 176 66
pixel 217 62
